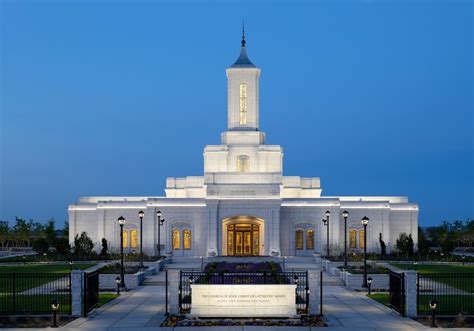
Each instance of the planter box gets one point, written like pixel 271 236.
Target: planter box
pixel 107 281
pixel 379 281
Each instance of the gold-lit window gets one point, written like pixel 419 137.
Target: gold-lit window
pixel 361 238
pixel 176 239
pixel 187 239
pixel 310 239
pixel 299 239
pixel 243 104
pixel 125 238
pixel 134 238
pixel 352 238
pixel 243 163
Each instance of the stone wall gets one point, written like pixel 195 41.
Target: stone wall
pixel 107 281
pixel 379 281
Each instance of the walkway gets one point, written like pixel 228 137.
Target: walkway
pixel 143 308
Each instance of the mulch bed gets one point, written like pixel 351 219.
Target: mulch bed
pixel 32 321
pixel 448 322
pixel 174 320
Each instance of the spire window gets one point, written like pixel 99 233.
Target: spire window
pixel 243 163
pixel 242 103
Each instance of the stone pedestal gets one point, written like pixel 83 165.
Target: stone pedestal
pixel 173 291
pixel 314 279
pixel 77 281
pixel 410 293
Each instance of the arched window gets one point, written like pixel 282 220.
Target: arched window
pixel 134 238
pixel 310 239
pixel 299 239
pixel 187 239
pixel 243 163
pixel 242 104
pixel 361 238
pixel 352 238
pixel 176 239
pixel 125 238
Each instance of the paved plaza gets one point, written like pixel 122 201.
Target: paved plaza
pixel 143 308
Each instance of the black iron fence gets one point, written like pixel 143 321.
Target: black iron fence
pixel 32 293
pixel 453 292
pixel 397 291
pixel 300 279
pixel 91 291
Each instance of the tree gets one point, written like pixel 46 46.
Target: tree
pixel 22 232
pixel 383 246
pixel 50 232
pixel 4 231
pixel 423 243
pixel 40 245
pixel 105 248
pixel 404 244
pixel 83 244
pixel 66 229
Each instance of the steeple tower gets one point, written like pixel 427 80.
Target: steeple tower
pixel 243 81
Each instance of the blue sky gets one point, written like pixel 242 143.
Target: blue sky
pixel 110 98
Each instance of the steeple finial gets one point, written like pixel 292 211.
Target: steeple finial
pixel 243 34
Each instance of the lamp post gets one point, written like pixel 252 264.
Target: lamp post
pixel 141 214
pixel 55 308
pixel 416 265
pixel 369 283
pixel 326 223
pixel 70 264
pixel 296 281
pixel 345 214
pixel 365 221
pixel 463 257
pixel 160 223
pixel 121 221
pixel 117 280
pixel 433 304
pixel 24 259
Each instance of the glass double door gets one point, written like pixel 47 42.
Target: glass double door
pixel 242 240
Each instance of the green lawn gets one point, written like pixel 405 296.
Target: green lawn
pixel 106 297
pixel 41 304
pixel 435 268
pixel 33 304
pixel 435 272
pixel 447 304
pixel 43 268
pixel 33 275
pixel 383 298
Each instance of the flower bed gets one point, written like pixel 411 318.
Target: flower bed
pixel 305 321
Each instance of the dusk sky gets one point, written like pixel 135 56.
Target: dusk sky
pixel 110 98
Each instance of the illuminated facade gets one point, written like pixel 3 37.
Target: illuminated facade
pixel 243 205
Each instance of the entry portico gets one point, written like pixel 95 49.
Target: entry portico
pixel 243 205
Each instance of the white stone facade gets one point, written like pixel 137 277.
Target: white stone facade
pixel 243 187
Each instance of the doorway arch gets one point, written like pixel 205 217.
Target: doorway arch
pixel 243 236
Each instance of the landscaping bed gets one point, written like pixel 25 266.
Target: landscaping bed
pixel 305 321
pixel 371 269
pixel 460 321
pixel 32 321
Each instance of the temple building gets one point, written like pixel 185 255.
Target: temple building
pixel 243 205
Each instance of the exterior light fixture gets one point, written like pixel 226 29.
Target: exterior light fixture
pixel 463 257
pixel 118 281
pixel 345 214
pixel 369 283
pixel 433 304
pixel 55 308
pixel 141 214
pixel 121 221
pixel 365 221
pixel 160 223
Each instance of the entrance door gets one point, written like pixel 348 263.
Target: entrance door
pixel 304 242
pixel 242 239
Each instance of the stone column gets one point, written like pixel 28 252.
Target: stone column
pixel 213 227
pixel 410 293
pixel 77 281
pixel 313 284
pixel 173 291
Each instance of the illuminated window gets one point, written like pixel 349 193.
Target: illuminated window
pixel 243 163
pixel 125 238
pixel 352 238
pixel 176 239
pixel 243 104
pixel 187 239
pixel 310 239
pixel 134 238
pixel 361 238
pixel 299 239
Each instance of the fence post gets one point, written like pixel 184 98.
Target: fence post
pixel 77 277
pixel 314 291
pixel 410 293
pixel 173 283
pixel 14 294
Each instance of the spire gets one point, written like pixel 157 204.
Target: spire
pixel 243 61
pixel 243 34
